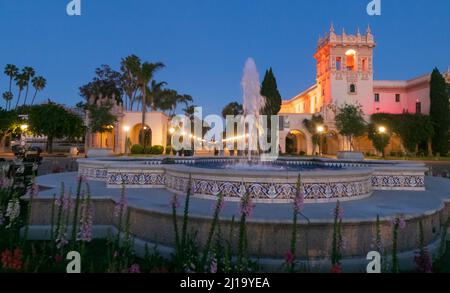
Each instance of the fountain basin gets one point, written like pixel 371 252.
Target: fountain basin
pixel 323 180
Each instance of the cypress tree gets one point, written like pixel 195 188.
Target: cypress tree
pixel 269 90
pixel 439 113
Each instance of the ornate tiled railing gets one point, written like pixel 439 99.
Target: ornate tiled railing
pixel 350 180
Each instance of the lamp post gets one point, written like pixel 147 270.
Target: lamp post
pixel 126 129
pixel 320 130
pixel 23 128
pixel 382 131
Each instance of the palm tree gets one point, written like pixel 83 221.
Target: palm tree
pixel 129 82
pixel 144 75
pixel 11 70
pixel 39 83
pixel 8 96
pixel 28 73
pixel 21 82
pixel 155 93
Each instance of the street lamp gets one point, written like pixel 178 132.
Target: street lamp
pixel 171 130
pixel 321 130
pixel 126 129
pixel 382 131
pixel 24 128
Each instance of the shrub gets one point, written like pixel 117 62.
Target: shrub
pixel 148 150
pixel 157 150
pixel 137 149
pixel 169 150
pixel 302 153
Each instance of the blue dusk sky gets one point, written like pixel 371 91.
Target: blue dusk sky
pixel 204 43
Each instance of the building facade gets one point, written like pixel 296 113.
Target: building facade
pixel 345 70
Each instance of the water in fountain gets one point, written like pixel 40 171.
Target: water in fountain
pixel 253 101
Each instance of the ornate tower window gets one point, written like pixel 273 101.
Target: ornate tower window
pixel 364 66
pixel 397 98
pixel 352 89
pixel 350 57
pixel 338 63
pixel 377 98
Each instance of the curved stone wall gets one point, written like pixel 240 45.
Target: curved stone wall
pixel 356 181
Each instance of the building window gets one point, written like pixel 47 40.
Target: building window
pixel 377 98
pixel 418 108
pixel 352 88
pixel 350 60
pixel 364 64
pixel 338 63
pixel 397 98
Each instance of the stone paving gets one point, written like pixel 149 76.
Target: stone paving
pixel 384 203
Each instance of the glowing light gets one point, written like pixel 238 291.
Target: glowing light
pixel 24 127
pixel 382 129
pixel 126 128
pixel 171 130
pixel 350 52
pixel 320 129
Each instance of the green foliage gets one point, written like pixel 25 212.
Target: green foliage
pixel 137 149
pixel 232 109
pixel 169 150
pixel 350 122
pixel 439 113
pixel 101 118
pixel 311 126
pixel 269 90
pixel 413 129
pixel 55 122
pixel 380 140
pixel 157 150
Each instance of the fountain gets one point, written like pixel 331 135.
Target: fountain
pixel 254 103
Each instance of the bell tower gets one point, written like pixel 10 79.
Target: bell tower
pixel 345 69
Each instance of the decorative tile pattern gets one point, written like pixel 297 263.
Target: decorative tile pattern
pixel 398 181
pixel 272 191
pixel 144 179
pixel 93 173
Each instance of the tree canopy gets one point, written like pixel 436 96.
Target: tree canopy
pixel 439 113
pixel 55 122
pixel 232 109
pixel 350 122
pixel 269 90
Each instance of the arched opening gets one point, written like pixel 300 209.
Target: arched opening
pixel 350 58
pixel 142 136
pixel 331 143
pixel 296 143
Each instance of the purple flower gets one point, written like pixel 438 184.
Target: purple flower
pixel 33 190
pixel 289 257
pixel 399 222
pixel 174 202
pixel 213 266
pixel 121 206
pixel 86 221
pixel 135 269
pixel 247 206
pixel 65 202
pixel 299 201
pixel 338 211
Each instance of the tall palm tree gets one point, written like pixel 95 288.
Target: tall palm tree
pixel 8 96
pixel 155 93
pixel 129 82
pixel 28 73
pixel 21 82
pixel 39 83
pixel 144 75
pixel 11 71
